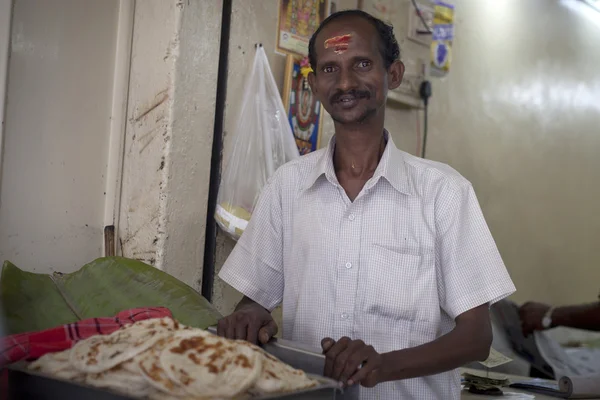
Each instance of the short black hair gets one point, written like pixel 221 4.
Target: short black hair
pixel 389 48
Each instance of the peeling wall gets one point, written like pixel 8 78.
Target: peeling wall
pixel 148 132
pixel 169 135
pixel 191 144
pixel 256 22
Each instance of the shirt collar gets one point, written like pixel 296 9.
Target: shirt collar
pixel 391 167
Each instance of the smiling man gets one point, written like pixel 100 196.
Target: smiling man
pixel 382 259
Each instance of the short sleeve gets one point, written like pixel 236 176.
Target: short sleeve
pixel 470 271
pixel 254 267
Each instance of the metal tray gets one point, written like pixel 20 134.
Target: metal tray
pixel 26 384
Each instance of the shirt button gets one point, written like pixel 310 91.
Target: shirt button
pixel 351 217
pixel 348 265
pixel 344 316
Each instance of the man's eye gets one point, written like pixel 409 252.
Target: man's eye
pixel 328 69
pixel 364 64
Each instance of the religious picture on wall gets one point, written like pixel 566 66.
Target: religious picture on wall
pixel 303 109
pixel 417 30
pixel 298 20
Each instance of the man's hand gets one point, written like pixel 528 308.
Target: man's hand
pixel 249 322
pixel 351 362
pixel 532 314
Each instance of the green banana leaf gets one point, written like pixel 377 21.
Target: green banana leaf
pixel 102 288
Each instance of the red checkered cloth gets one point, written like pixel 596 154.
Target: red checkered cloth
pixel 32 345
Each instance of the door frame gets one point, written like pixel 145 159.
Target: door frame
pixel 118 123
pixel 6 7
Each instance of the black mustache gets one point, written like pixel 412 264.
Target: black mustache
pixel 359 94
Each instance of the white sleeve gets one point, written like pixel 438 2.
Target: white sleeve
pixel 255 266
pixel 470 271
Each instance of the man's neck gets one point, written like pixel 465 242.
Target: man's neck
pixel 358 148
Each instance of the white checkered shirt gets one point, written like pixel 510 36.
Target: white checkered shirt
pixel 393 268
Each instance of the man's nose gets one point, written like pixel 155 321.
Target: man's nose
pixel 346 80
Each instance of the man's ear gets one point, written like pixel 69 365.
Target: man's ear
pixel 312 83
pixel 395 74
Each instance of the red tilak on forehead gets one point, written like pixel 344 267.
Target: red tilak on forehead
pixel 338 43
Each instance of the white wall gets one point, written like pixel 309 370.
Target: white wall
pixel 519 115
pixel 110 121
pixel 58 122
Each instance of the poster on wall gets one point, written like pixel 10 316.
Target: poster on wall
pixel 442 38
pixel 298 20
pixel 303 110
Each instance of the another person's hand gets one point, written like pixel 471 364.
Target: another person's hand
pixel 251 322
pixel 532 314
pixel 352 362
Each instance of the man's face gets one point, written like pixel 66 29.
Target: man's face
pixel 350 78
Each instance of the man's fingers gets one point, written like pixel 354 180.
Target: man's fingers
pixel 246 323
pixel 230 328
pixel 351 362
pixel 367 377
pixel 362 364
pixel 339 365
pixel 221 327
pixel 332 354
pixel 326 344
pixel 253 331
pixel 241 328
pixel 523 309
pixel 527 327
pixel 351 359
pixel 268 331
pixel 360 375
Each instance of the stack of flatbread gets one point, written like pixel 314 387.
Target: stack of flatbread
pixel 162 359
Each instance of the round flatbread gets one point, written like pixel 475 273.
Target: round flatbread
pixel 103 352
pixel 58 366
pixel 121 379
pixel 151 369
pixel 209 366
pixel 277 376
pixel 52 361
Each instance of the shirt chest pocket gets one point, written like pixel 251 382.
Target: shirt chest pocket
pixel 390 284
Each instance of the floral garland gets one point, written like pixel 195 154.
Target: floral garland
pixel 305 67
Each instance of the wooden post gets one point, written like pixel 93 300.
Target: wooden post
pixel 109 241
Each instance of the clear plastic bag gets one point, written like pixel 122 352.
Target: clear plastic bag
pixel 263 143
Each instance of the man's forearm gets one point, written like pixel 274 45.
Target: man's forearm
pixel 582 317
pixel 453 350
